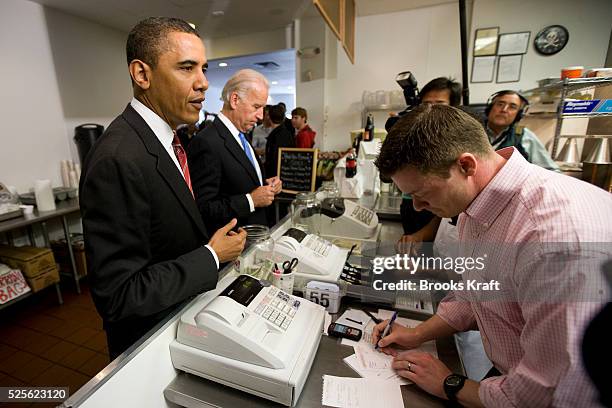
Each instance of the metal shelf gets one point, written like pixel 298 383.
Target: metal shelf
pixel 571 84
pixel 548 115
pixel 565 87
pixel 586 115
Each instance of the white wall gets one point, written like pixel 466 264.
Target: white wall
pixel 91 70
pixel 424 41
pixel 588 23
pixel 57 71
pixel 32 127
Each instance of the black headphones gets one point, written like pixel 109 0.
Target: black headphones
pixel 522 110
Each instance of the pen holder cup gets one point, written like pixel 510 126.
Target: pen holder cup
pixel 284 281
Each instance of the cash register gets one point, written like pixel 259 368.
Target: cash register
pixel 319 259
pixel 251 336
pixel 345 218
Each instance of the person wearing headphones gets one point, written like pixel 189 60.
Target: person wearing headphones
pixel 503 112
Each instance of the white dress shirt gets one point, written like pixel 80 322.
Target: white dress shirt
pixel 165 135
pixel 235 133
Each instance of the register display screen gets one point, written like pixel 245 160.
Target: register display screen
pixel 296 234
pixel 243 290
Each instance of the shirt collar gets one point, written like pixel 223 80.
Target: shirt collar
pixel 492 135
pixel 229 125
pixel 494 198
pixel 162 130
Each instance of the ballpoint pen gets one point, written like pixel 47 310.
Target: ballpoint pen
pixel 387 328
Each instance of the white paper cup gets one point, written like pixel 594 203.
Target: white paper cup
pixel 286 282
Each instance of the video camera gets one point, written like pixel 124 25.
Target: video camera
pixel 411 94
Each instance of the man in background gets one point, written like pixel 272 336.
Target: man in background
pixel 147 247
pixel 228 181
pixel 441 91
pixel 280 136
pixel 261 132
pixel 287 121
pixel 305 136
pixel 504 110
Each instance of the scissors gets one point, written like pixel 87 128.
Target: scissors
pixel 288 266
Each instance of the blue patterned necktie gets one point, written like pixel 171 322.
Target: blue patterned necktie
pixel 245 147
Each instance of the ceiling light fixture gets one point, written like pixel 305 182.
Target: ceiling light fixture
pixel 223 64
pixel 274 82
pixel 218 13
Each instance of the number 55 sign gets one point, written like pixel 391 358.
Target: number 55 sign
pixel 324 294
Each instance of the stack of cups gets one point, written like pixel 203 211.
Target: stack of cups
pixel 71 173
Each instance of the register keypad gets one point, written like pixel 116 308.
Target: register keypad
pixel 278 308
pixel 363 214
pixel 318 245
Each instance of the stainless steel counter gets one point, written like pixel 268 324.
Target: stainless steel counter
pixel 193 392
pixel 144 375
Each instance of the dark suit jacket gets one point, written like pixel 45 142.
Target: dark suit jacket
pixel 280 136
pixel 221 176
pixel 143 232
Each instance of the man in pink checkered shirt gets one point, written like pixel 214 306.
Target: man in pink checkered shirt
pixel 544 237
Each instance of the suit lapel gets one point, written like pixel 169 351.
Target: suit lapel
pixel 165 166
pixel 236 150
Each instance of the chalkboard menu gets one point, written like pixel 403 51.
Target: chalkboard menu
pixel 297 168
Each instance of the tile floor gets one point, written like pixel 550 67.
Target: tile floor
pixel 45 344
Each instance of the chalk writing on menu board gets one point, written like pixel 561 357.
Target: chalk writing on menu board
pixel 297 169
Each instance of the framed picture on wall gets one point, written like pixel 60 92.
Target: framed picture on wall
pixel 483 68
pixel 485 41
pixel 513 43
pixel 509 68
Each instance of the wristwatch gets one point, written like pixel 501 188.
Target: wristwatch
pixel 452 384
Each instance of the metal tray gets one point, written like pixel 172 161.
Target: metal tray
pixel 60 194
pixel 11 214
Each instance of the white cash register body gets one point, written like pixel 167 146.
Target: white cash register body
pixel 318 258
pixel 343 218
pixel 251 337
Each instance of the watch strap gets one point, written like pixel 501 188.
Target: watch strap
pixel 452 390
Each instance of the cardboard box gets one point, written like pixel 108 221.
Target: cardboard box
pixel 60 251
pixel 31 261
pixel 46 278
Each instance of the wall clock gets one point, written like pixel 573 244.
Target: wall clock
pixel 550 40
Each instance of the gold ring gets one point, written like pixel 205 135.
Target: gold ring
pixel 409 366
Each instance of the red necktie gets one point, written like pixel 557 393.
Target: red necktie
pixel 182 159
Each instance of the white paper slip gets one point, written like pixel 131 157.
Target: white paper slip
pixel 357 393
pixel 387 374
pixel 372 359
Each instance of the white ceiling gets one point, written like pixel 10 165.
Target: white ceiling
pixel 240 16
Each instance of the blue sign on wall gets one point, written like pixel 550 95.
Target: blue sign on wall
pixel 605 107
pixel 580 106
